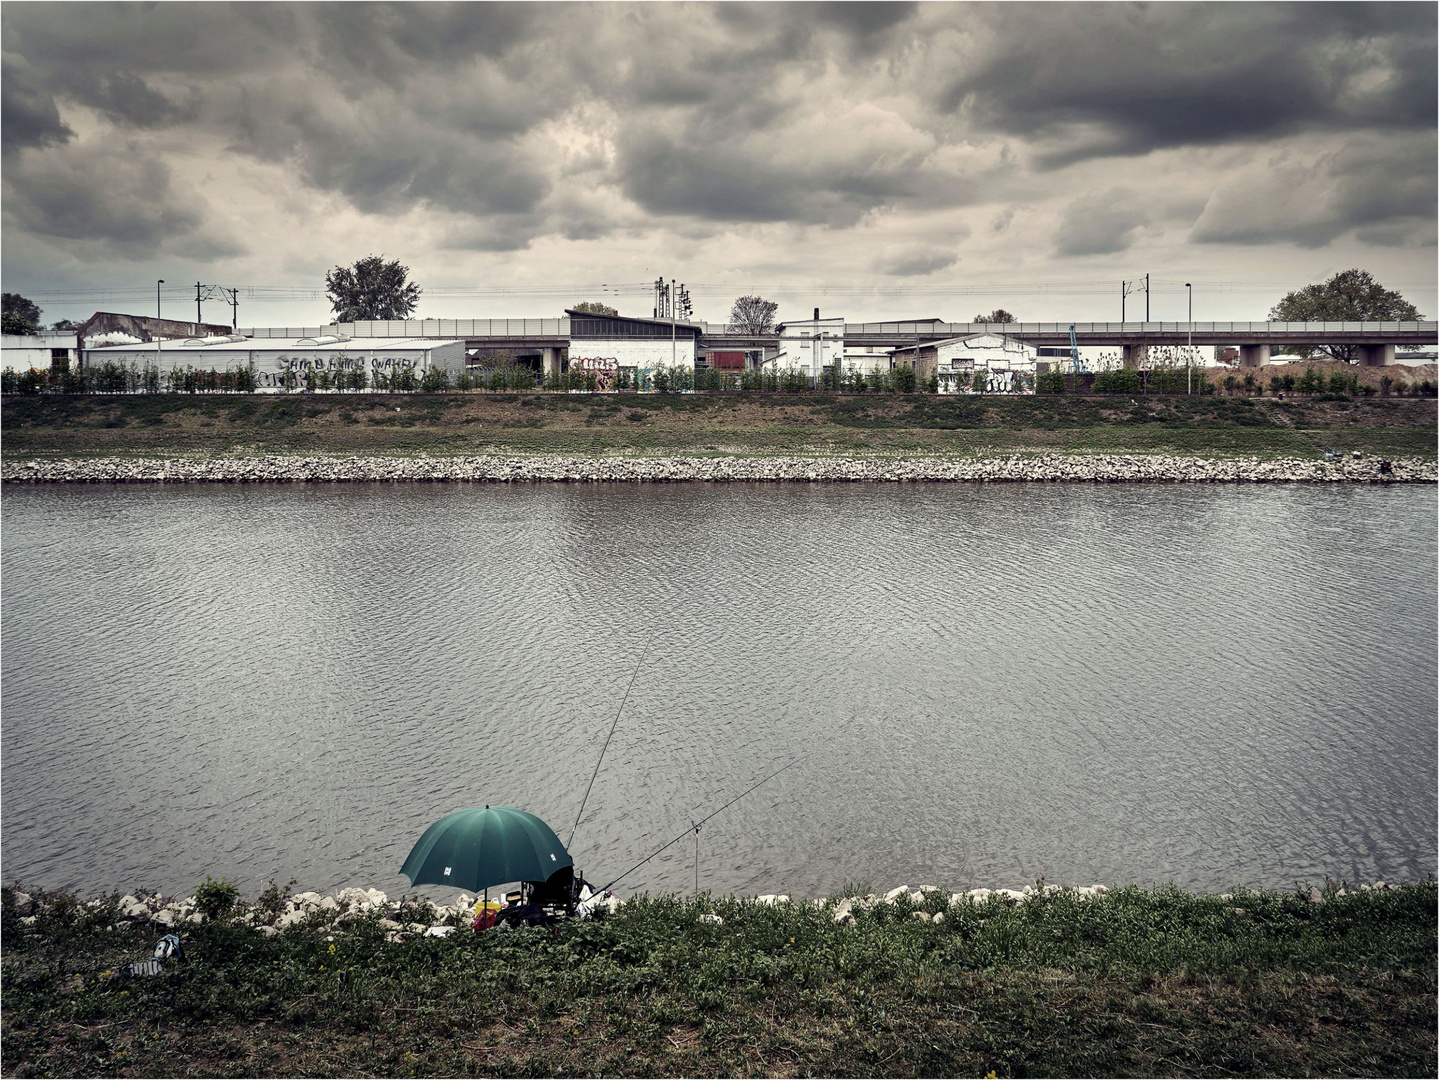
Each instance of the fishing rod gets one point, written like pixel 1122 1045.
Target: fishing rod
pixel 610 736
pixel 695 826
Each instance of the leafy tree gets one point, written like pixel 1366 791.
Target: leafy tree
pixel 65 324
pixel 753 315
pixel 998 315
pixel 1350 296
pixel 592 307
pixel 20 316
pixel 371 290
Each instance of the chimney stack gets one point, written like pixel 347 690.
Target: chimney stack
pixel 816 314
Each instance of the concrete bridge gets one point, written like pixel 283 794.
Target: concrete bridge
pixel 1375 340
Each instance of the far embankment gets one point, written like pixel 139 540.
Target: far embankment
pixel 873 426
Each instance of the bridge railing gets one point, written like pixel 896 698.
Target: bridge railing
pixel 931 330
pixel 559 328
pixel 441 328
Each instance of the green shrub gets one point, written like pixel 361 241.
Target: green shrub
pixel 904 380
pixel 215 899
pixel 1051 382
pixel 1119 381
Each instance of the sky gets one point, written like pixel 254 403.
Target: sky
pixel 878 161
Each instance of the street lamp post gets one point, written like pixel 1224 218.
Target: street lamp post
pixel 158 283
pixel 1189 349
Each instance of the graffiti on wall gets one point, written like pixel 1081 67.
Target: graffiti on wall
pixel 604 369
pixel 290 371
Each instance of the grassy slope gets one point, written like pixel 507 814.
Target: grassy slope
pixel 1136 983
pixel 702 424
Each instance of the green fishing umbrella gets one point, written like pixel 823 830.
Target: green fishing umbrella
pixel 474 849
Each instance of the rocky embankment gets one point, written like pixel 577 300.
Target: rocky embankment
pixel 408 917
pixel 1043 468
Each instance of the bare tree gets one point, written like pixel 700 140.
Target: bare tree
pixel 753 315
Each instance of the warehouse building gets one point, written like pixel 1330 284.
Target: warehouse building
pixel 621 350
pixel 281 362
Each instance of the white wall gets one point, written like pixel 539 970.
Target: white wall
pixel 272 363
pixel 809 346
pixel 1002 358
pixel 23 352
pixel 867 362
pixel 638 353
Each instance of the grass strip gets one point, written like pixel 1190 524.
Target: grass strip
pixel 1139 982
pixel 720 425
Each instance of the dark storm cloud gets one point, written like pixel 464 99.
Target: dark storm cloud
pixel 1127 79
pixel 816 114
pixel 1100 223
pixel 1385 186
pixel 28 115
pixel 111 198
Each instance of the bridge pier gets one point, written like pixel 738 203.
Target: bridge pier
pixel 1376 355
pixel 551 361
pixel 1136 356
pixel 1253 355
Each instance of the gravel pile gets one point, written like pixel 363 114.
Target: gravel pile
pixel 1053 468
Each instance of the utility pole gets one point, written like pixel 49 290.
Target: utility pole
pixel 235 309
pixel 1189 349
pixel 198 320
pixel 1146 297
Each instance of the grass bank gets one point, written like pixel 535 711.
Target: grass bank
pixel 52 425
pixel 1134 983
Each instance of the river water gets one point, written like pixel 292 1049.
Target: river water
pixel 1211 686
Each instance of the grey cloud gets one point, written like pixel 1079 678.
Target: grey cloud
pixel 915 260
pixel 106 197
pixel 28 115
pixel 128 99
pixel 1368 183
pixel 1100 224
pixel 725 183
pixel 1097 80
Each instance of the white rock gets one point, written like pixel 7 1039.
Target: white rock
pixel 925 890
pixel 268 931
pixel 894 894
pixel 844 918
pixel 714 919
pixel 439 931
pixel 329 903
pixel 978 895
pixel 920 915
pixel 938 917
pixel 165 917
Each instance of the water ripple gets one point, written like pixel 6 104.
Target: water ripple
pixel 1211 686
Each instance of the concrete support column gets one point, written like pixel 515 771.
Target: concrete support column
pixel 1136 356
pixel 1253 355
pixel 1376 355
pixel 551 361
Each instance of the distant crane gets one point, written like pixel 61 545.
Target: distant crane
pixel 1074 351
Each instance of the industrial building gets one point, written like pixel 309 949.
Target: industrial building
pixel 276 358
pixel 808 346
pixel 628 349
pixel 954 362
